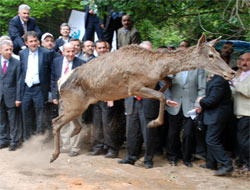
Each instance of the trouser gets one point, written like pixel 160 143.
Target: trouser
pixel 104 127
pixel 137 132
pixel 9 125
pixel 243 138
pixel 93 26
pixel 215 150
pixel 176 123
pixel 32 97
pixel 69 143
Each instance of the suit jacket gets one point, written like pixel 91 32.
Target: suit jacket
pixel 16 31
pixel 241 95
pixel 129 37
pixel 187 94
pixel 44 68
pixel 217 103
pixel 150 106
pixel 56 72
pixel 10 83
pixel 58 43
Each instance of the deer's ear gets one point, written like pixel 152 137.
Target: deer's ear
pixel 214 42
pixel 201 40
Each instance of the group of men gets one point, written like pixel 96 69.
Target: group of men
pixel 32 81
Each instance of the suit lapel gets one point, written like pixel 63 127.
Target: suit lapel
pixel 40 57
pixel 26 57
pixel 1 73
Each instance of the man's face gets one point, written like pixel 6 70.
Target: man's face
pixel 227 50
pixel 77 46
pixel 126 22
pixel 24 14
pixel 65 31
pixel 88 47
pixel 69 52
pixel 32 42
pixel 6 51
pixel 101 48
pixel 48 42
pixel 245 62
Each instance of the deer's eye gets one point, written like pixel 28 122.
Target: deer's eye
pixel 211 56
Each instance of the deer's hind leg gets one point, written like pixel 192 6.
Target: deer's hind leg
pixel 150 93
pixel 72 109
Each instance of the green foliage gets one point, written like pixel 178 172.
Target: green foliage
pixel 160 21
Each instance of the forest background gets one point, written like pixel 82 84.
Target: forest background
pixel 163 22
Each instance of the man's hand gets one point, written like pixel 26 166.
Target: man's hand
pixel 198 110
pixel 110 103
pixel 171 103
pixel 199 99
pixel 102 26
pixel 55 101
pixel 18 103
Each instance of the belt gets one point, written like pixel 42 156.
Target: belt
pixel 34 85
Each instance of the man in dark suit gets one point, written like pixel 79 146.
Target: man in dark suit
pixel 10 98
pixel 64 38
pixel 21 24
pixel 35 68
pixel 139 113
pixel 216 106
pixel 62 65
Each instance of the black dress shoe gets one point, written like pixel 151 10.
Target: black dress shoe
pixel 97 152
pixel 12 148
pixel 111 154
pixel 188 164
pixel 3 146
pixel 207 167
pixel 224 171
pixel 173 163
pixel 148 165
pixel 125 161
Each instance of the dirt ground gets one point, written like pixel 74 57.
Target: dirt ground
pixel 28 168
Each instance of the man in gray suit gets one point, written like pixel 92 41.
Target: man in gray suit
pixel 9 96
pixel 186 87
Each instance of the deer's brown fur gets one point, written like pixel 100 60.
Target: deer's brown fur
pixel 129 71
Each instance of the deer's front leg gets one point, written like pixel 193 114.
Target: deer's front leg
pixel 145 92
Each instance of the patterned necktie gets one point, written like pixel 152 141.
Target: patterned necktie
pixel 4 66
pixel 66 68
pixel 24 27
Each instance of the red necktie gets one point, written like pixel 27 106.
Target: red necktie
pixel 4 66
pixel 138 98
pixel 67 67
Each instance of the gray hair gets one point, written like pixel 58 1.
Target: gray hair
pixel 5 42
pixel 65 24
pixel 4 38
pixel 23 6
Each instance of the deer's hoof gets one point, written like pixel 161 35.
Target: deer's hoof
pixel 54 157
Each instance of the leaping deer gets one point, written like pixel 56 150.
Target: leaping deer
pixel 130 71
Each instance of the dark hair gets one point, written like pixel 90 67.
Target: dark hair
pixel 229 43
pixel 74 39
pixel 99 41
pixel 30 33
pixel 163 46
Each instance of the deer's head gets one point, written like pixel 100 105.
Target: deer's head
pixel 210 60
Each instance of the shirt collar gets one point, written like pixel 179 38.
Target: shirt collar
pixel 33 53
pixel 64 60
pixel 21 21
pixel 3 59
